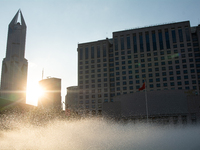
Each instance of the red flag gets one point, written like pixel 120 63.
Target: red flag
pixel 143 87
pixel 67 112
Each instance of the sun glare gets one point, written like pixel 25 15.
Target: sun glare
pixel 33 92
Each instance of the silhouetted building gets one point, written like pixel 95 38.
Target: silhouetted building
pixel 51 97
pixel 168 106
pixel 71 99
pixel 166 55
pixel 14 65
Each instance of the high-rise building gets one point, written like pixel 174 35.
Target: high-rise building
pixel 14 65
pixel 166 56
pixel 51 97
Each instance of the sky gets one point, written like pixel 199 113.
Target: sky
pixel 55 27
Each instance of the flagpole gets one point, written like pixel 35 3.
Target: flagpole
pixel 146 100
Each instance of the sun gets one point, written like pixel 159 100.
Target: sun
pixel 33 92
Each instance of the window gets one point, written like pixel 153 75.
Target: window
pixel 123 72
pixel 122 43
pixel 157 74
pixel 185 71
pixel 165 79
pixel 81 54
pixel 150 75
pixel 187 34
pixel 130 82
pixel 170 68
pixel 178 77
pixel 165 84
pixel 128 42
pixel 141 42
pixel 169 52
pixel 178 72
pixel 192 71
pixel 193 81
pixel 116 43
pixel 172 83
pixel 177 67
pixel 167 39
pixel 173 36
pixel 155 58
pixel 149 64
pixel 162 58
pixel 124 88
pixel 180 35
pixel 98 52
pixel 135 43
pixel 130 87
pixel 124 77
pixel 150 80
pixel 154 40
pixel 157 79
pixel 186 82
pixel 162 63
pixel 184 66
pixel 163 68
pixel 92 52
pixel 176 61
pixel 160 39
pixel 164 74
pixel 147 41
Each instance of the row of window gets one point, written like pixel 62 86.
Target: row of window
pixel 138 40
pixel 137 81
pixel 143 75
pixel 157 85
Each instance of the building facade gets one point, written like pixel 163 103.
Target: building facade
pixel 166 56
pixel 167 106
pixel 71 99
pixel 14 65
pixel 51 97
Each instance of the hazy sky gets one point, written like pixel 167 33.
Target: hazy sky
pixel 55 27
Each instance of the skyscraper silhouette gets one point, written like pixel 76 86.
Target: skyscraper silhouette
pixel 14 65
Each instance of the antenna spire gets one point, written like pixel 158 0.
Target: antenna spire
pixel 42 73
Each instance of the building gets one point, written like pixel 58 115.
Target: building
pixel 167 56
pixel 51 97
pixel 14 65
pixel 167 106
pixel 71 99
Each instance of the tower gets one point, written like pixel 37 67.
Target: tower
pixel 14 65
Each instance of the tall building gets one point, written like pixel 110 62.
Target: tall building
pixel 51 97
pixel 14 65
pixel 166 56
